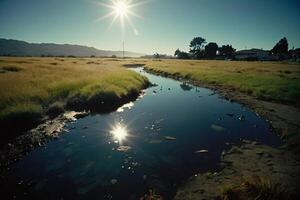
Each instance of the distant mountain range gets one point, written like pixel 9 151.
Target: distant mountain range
pixel 21 48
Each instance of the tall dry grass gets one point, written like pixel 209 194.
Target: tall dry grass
pixel 28 86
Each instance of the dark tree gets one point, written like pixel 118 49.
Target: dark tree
pixel 156 55
pixel 227 51
pixel 177 52
pixel 211 50
pixel 281 49
pixel 197 47
pixel 181 54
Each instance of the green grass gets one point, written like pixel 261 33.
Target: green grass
pixel 28 86
pixel 277 81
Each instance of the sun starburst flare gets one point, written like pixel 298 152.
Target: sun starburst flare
pixel 122 10
pixel 119 133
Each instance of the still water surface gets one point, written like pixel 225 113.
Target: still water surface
pixel 173 132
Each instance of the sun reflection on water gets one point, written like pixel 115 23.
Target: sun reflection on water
pixel 119 133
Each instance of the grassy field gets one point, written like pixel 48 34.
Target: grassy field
pixel 33 87
pixel 30 87
pixel 277 81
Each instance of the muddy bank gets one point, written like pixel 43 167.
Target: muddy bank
pixel 34 138
pixel 280 166
pixel 243 162
pixel 51 127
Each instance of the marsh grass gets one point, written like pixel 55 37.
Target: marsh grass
pixel 4 69
pixel 255 187
pixel 40 86
pixel 276 81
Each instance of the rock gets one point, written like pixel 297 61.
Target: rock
pixel 202 151
pixel 259 153
pixel 81 115
pixel 247 141
pixel 113 181
pixel 169 138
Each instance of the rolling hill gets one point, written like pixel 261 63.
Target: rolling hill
pixel 21 48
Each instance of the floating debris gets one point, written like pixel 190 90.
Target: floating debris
pixel 242 118
pixel 153 85
pixel 113 181
pixel 142 94
pixel 124 148
pixel 202 151
pixel 169 138
pixel 217 128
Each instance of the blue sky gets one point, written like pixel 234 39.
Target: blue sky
pixel 166 24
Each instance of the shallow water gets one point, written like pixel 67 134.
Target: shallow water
pixel 173 132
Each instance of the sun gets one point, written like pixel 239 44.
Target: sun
pixel 121 8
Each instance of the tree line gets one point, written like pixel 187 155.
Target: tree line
pixel 200 49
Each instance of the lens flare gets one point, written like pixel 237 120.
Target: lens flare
pixel 119 133
pixel 122 10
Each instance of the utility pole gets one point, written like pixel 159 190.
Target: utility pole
pixel 123 50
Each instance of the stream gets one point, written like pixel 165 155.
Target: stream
pixel 174 131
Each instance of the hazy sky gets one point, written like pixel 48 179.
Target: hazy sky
pixel 166 24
